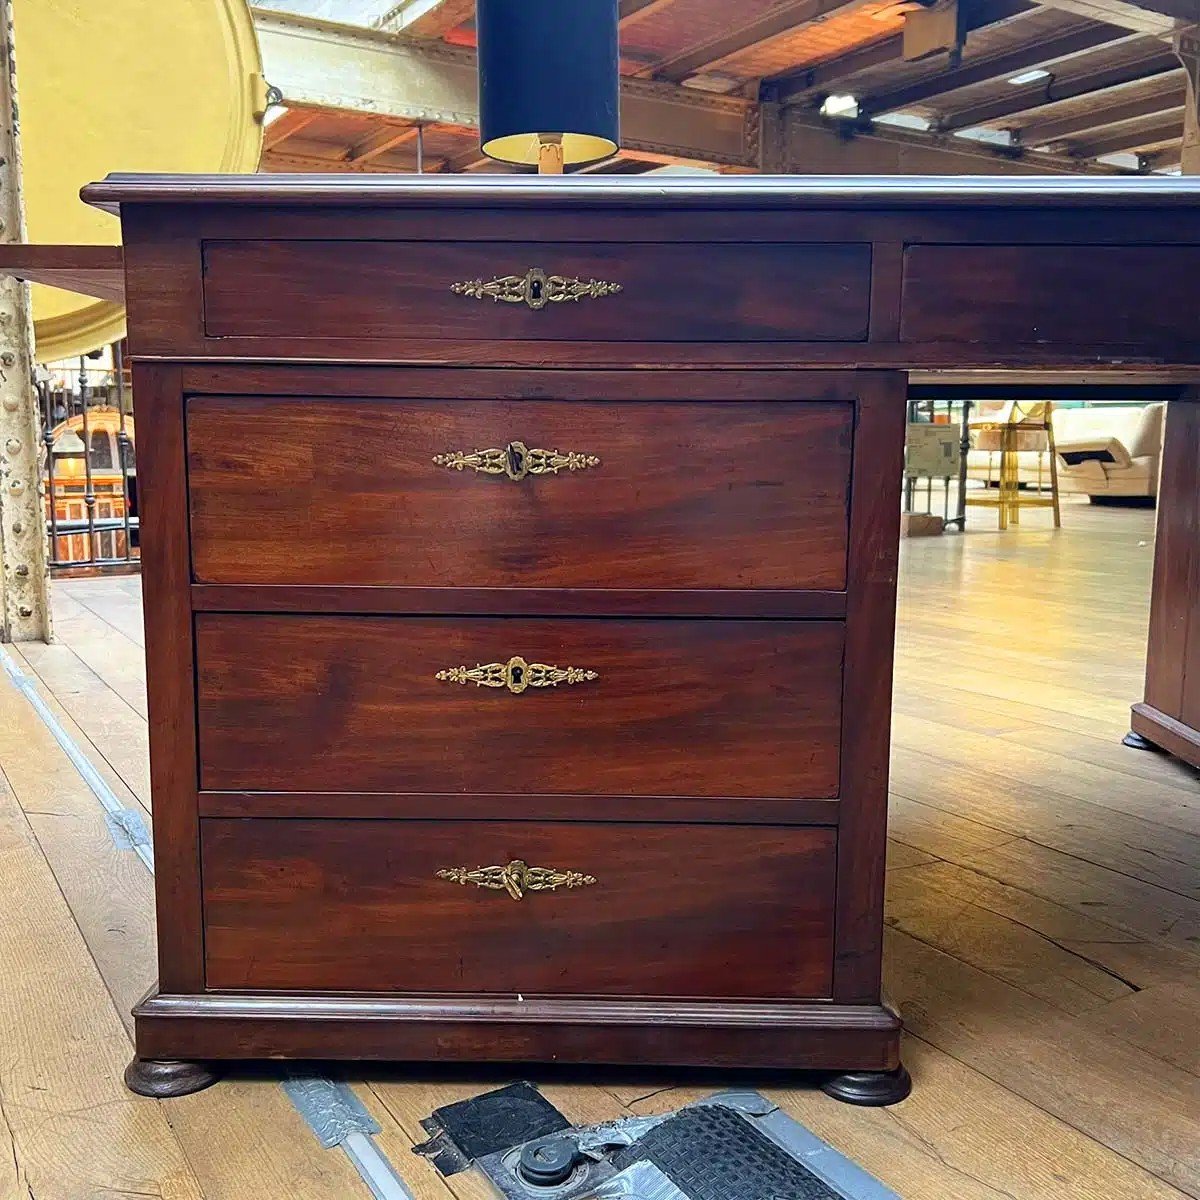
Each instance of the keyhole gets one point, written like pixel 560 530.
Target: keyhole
pixel 518 675
pixel 535 289
pixel 516 459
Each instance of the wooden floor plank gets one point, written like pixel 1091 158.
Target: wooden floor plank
pixel 115 658
pixel 1141 964
pixel 245 1140
pixel 1025 776
pixel 76 1130
pixel 1015 953
pixel 101 717
pixel 109 891
pixel 1118 899
pixel 1164 1021
pixel 242 1139
pixel 1108 1089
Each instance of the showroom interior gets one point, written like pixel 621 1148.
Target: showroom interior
pixel 864 307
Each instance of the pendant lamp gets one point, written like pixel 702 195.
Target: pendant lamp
pixel 548 81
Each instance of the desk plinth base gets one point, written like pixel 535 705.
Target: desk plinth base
pixel 180 1030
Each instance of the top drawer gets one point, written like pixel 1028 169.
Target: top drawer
pixel 537 291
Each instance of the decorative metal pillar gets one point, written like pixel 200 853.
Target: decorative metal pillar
pixel 24 574
pixel 1187 47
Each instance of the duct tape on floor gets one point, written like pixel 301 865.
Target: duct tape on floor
pixel 731 1146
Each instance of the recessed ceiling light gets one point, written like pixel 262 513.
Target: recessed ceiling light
pixel 1029 76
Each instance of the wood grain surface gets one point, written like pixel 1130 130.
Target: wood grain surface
pixel 675 910
pixel 346 492
pixel 679 708
pixel 394 289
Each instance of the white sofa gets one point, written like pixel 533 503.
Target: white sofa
pixel 1107 450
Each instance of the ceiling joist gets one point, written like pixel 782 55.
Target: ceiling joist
pixel 1040 54
pixel 782 19
pixel 1017 104
pixel 811 83
pixel 381 142
pixel 1129 103
pixel 1132 136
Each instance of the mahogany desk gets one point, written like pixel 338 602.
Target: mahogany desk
pixel 520 565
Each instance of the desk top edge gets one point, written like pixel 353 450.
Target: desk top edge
pixel 709 191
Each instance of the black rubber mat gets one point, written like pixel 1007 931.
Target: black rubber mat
pixel 470 1129
pixel 711 1153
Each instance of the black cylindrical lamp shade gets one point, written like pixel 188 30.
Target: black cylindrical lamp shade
pixel 548 68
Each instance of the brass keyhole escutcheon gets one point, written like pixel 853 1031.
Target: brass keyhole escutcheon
pixel 516 675
pixel 516 460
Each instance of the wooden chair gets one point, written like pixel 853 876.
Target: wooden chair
pixel 1019 425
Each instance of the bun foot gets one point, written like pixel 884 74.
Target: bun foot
pixel 162 1078
pixel 872 1089
pixel 1135 741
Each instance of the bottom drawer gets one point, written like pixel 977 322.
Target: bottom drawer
pixel 599 909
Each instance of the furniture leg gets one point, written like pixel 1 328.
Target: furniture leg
pixel 166 1078
pixel 1053 472
pixel 1135 741
pixel 870 1089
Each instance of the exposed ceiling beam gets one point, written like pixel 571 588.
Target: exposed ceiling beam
pixel 302 155
pixel 284 126
pixel 810 83
pixel 349 69
pixel 1135 15
pixel 326 65
pixel 1164 19
pixel 467 160
pixel 811 148
pixel 1041 53
pixel 426 18
pixel 784 18
pixel 381 141
pixel 819 78
pixel 1169 155
pixel 1165 95
pixel 1131 136
pixel 1019 103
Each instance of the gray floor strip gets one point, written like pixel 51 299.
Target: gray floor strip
pixel 339 1118
pixel 334 1112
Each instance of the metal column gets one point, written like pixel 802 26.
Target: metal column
pixel 24 574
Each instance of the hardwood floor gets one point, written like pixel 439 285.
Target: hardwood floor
pixel 1044 914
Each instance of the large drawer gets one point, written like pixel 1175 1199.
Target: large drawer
pixel 427 906
pixel 517 706
pixel 537 291
pixel 639 495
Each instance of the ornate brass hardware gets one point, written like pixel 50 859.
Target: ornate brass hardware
pixel 535 288
pixel 516 675
pixel 516 461
pixel 516 878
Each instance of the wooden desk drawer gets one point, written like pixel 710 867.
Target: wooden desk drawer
pixel 656 707
pixel 658 495
pixel 674 910
pixel 1030 295
pixel 677 292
